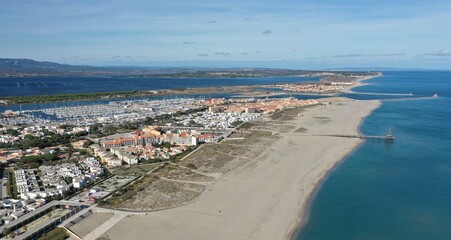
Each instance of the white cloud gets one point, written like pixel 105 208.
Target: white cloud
pixel 439 53
pixel 222 53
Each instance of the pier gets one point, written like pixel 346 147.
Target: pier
pixel 389 138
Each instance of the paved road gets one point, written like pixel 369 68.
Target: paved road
pixel 104 227
pixel 3 183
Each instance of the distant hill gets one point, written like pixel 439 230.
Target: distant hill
pixel 31 68
pixel 12 67
pixel 25 64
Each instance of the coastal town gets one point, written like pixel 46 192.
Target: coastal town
pixel 79 153
pixel 327 85
pixel 333 87
pixel 88 169
pixel 225 120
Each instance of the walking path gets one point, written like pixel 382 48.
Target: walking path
pixel 183 181
pixel 193 170
pixel 117 217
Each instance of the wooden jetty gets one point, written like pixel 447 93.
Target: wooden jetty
pixel 389 138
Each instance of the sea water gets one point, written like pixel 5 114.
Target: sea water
pixel 393 191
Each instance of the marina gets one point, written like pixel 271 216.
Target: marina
pixel 112 112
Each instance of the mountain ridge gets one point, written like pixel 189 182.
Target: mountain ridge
pixel 12 67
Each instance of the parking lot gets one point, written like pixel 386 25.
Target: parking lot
pixel 99 191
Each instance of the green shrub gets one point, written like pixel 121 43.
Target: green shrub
pixel 55 234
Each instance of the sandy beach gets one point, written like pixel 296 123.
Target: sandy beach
pixel 265 199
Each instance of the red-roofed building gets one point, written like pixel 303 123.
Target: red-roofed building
pixel 207 137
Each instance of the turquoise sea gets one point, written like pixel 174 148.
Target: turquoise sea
pixel 393 191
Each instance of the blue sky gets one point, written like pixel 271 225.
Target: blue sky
pixel 245 33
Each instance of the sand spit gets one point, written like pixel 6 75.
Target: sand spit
pixel 360 82
pixel 264 199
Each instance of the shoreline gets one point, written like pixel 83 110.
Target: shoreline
pixel 303 220
pixel 306 209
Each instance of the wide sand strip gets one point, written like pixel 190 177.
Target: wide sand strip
pixel 266 199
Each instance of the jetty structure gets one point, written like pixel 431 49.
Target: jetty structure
pixel 389 138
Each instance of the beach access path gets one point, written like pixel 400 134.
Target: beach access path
pixel 267 198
